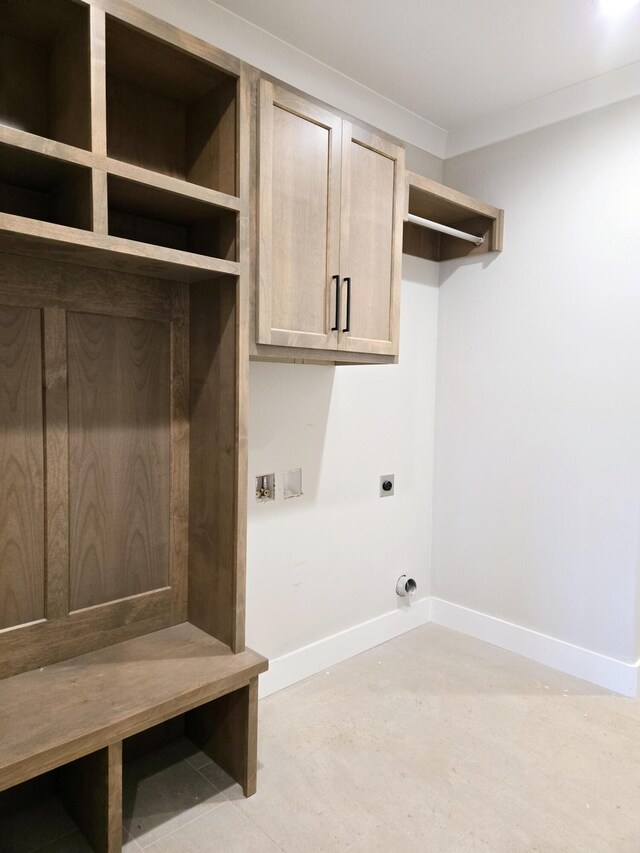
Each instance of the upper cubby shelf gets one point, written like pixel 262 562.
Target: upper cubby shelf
pixel 45 69
pixel 442 205
pixel 43 188
pixel 169 111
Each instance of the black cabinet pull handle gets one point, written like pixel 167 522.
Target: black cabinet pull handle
pixel 347 328
pixel 336 278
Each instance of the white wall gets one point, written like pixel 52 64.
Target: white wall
pixel 328 561
pixel 537 489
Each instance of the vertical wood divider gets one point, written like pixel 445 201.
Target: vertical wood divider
pixel 179 439
pixel 97 28
pixel 227 731
pixel 98 80
pixel 57 462
pixel 244 180
pixel 91 789
pixel 100 212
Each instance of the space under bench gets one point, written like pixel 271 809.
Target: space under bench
pixel 63 728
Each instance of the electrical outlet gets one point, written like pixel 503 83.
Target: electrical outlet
pixel 387 485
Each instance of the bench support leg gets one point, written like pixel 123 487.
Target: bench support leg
pixel 91 789
pixel 227 730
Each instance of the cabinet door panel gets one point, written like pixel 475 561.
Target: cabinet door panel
pixel 119 421
pixel 299 220
pixel 21 467
pixel 371 240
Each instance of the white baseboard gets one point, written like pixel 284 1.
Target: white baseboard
pixel 599 669
pixel 301 663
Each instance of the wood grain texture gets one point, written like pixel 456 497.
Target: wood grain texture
pixel 439 203
pixel 99 197
pixel 169 111
pixel 34 283
pixel 179 454
pixel 111 694
pixel 145 128
pixel 174 186
pixel 299 187
pixel 143 212
pixel 70 245
pixel 91 789
pixel 23 80
pixel 70 84
pixel 118 457
pixel 371 240
pixel 22 558
pixel 244 286
pixel 57 463
pixel 98 79
pixel 53 190
pixel 44 69
pixel 45 642
pixel 211 138
pixel 39 145
pixel 227 731
pixel 214 593
pixel 161 30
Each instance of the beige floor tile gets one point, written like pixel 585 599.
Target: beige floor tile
pixel 223 830
pixel 431 743
pixel 196 758
pixel 162 791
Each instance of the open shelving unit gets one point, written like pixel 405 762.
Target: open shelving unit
pixel 45 69
pixel 124 184
pixel 437 203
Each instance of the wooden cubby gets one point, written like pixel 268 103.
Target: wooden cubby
pixel 124 184
pixel 39 187
pixel 439 203
pixel 169 111
pixel 44 69
pixel 151 215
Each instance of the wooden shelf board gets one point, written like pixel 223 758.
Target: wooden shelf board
pixel 51 716
pixel 42 145
pixel 32 237
pixel 160 181
pixel 434 201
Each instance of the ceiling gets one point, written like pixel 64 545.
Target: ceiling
pixel 454 62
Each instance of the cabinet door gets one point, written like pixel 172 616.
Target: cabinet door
pixel 299 220
pixel 371 241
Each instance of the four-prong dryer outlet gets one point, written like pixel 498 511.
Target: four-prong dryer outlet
pixel 387 485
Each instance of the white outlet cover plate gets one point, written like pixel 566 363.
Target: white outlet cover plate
pixel 292 483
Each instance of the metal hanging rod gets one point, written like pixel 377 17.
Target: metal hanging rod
pixel 445 229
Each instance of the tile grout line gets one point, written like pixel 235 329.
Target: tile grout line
pixel 257 826
pixel 177 828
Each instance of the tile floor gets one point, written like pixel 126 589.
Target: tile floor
pixel 431 742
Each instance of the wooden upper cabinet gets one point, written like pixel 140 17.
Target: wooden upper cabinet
pixel 299 218
pixel 371 244
pixel 330 229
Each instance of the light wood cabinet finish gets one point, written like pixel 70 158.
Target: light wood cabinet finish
pixel 370 248
pixel 299 219
pixel 329 219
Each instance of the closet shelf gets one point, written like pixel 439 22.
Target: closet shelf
pixel 54 242
pixel 430 200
